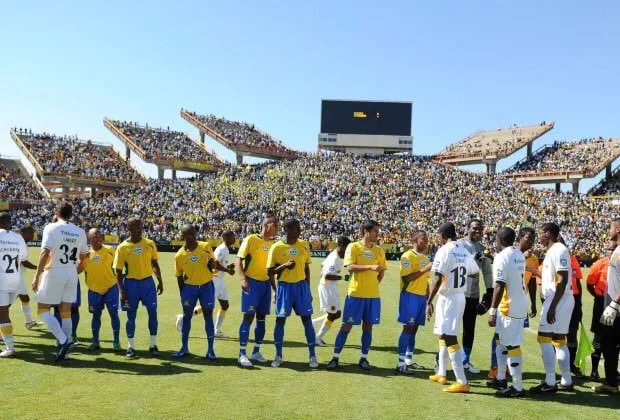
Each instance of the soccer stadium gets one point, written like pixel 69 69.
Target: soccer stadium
pixel 230 240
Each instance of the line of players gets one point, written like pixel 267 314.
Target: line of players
pixel 261 260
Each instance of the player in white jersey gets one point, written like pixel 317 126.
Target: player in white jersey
pixel 63 247
pixel 508 313
pixel 453 263
pixel 556 312
pixel 27 232
pixel 13 251
pixel 610 320
pixel 329 295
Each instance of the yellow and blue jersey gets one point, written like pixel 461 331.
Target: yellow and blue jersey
pixel 193 265
pixel 254 251
pixel 364 284
pixel 98 269
pixel 412 262
pixel 137 258
pixel 281 253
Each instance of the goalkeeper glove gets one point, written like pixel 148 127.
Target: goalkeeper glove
pixel 485 303
pixel 610 313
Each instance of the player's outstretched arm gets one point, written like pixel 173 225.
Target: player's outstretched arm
pixel 245 285
pixel 434 289
pixel 498 292
pixel 559 292
pixel 417 274
pixel 531 288
pixel 180 282
pixel 43 258
pixel 119 283
pixel 307 272
pixel 157 271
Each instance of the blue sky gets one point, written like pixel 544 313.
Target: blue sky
pixel 465 65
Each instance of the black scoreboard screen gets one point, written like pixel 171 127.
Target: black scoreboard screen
pixel 363 117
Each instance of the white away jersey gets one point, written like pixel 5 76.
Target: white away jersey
pixel 13 251
pixel 66 243
pixel 613 275
pixel 557 259
pixel 222 254
pixel 331 266
pixel 509 268
pixel 455 263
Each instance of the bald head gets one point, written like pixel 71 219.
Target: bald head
pixel 271 225
pixel 95 237
pixel 188 231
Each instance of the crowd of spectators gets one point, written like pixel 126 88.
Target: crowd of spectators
pixel 332 194
pixel 14 186
pixel 157 143
pixel 501 142
pixel 610 186
pixel 243 134
pixel 584 155
pixel 67 155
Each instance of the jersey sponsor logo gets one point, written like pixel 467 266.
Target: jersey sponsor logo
pixel 293 252
pixel 367 255
pixel 96 258
pixel 193 258
pixel 406 264
pixel 137 250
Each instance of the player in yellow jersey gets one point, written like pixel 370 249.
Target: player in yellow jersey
pixel 102 287
pixel 366 262
pixel 138 256
pixel 193 262
pixel 289 261
pixel 415 269
pixel 256 287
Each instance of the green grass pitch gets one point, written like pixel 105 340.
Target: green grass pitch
pixel 107 385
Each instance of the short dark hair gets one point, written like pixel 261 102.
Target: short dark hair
pixel 552 228
pixel 418 234
pixel 343 241
pixel 369 225
pixel 289 223
pixel 447 230
pixel 65 210
pixel 5 218
pixel 524 231
pixel 506 235
pixel 472 221
pixel 27 229
pixel 227 233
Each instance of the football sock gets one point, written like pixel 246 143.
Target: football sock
pixel 57 314
pixel 596 356
pixel 442 357
pixel 130 325
pixel 327 324
pixel 244 334
pixel 278 338
pixel 321 319
pixel 210 330
pixel 572 352
pixel 501 353
pixel 310 336
pixel 53 326
pixel 221 314
pixel 548 356
pixel 7 335
pixel 153 323
pixel 116 324
pixel 366 342
pixel 131 342
pixel 153 340
pixel 403 343
pixel 515 364
pixel 75 320
pixel 341 340
pixel 466 355
pixel 67 323
pixel 493 347
pixel 259 335
pixel 456 357
pixel 27 311
pixel 563 357
pixel 411 346
pixel 95 325
pixel 185 329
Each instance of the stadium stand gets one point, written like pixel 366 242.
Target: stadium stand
pixel 567 162
pixel 332 194
pixel 242 138
pixel 608 186
pixel 70 163
pixel 167 149
pixel 16 184
pixel 488 147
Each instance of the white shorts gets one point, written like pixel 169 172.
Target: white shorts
pixel 221 289
pixel 563 313
pixel 329 298
pixel 449 313
pixel 57 285
pixel 7 298
pixel 21 289
pixel 509 330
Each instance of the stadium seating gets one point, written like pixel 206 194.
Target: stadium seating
pixel 15 186
pixel 333 194
pixel 587 157
pixel 163 145
pixel 66 156
pixel 608 186
pixel 240 136
pixel 496 143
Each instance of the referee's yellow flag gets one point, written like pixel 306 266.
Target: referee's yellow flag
pixel 584 349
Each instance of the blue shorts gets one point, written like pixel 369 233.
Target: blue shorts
pixel 358 310
pixel 295 296
pixel 257 300
pixel 192 294
pixel 96 301
pixel 526 323
pixel 140 291
pixel 411 309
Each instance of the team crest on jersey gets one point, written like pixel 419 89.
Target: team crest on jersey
pixel 96 258
pixel 193 258
pixel 406 264
pixel 293 252
pixel 137 250
pixel 265 248
pixel 332 269
pixel 500 273
pixel 367 255
pixel 563 261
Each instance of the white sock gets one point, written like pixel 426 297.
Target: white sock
pixel 563 356
pixel 515 364
pixel 409 355
pixel 456 357
pixel 54 327
pixel 67 326
pixel 317 321
pixel 131 343
pixel 153 341
pixel 502 361
pixel 442 359
pixel 27 311
pixel 324 328
pixel 219 319
pixel 548 356
pixel 7 336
